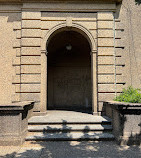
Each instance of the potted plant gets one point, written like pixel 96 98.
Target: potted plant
pixel 130 95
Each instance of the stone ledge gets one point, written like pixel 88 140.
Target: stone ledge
pixel 16 106
pixel 48 0
pixel 123 105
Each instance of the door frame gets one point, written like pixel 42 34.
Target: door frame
pixel 91 39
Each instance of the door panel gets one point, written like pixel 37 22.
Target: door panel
pixel 70 87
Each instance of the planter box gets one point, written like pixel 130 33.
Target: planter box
pixel 126 121
pixel 14 122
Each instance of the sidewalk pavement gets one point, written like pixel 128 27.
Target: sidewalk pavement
pixel 70 149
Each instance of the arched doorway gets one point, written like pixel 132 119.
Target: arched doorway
pixel 44 60
pixel 69 72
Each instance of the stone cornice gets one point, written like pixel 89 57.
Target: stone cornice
pixel 16 106
pixel 28 1
pixel 59 6
pixel 123 105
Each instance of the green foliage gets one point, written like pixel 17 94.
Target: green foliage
pixel 138 2
pixel 130 95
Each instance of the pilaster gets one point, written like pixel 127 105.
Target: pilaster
pixel 31 58
pixel 94 82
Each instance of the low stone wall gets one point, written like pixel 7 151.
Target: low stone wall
pixel 14 122
pixel 126 121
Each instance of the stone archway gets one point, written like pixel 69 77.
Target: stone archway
pixel 69 72
pixel 93 50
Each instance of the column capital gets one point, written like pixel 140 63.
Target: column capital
pixel 44 52
pixel 93 52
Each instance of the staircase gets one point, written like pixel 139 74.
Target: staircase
pixel 63 126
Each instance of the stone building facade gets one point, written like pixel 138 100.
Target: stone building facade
pixel 68 54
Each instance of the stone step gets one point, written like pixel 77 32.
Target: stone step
pixel 40 120
pixel 70 136
pixel 73 127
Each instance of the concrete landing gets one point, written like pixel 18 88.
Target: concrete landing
pixel 56 116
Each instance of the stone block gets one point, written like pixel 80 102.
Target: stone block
pixel 48 25
pixel 119 26
pixel 44 33
pixel 106 69
pixel 30 60
pixel 17 88
pixel 30 78
pixel 105 24
pixel 106 78
pixel 17 25
pixel 17 43
pixel 119 69
pixel 31 69
pixel 104 42
pixel 16 61
pixel 119 43
pixel 32 42
pixel 18 52
pixel 110 69
pixel 37 107
pixel 89 25
pixel 119 34
pixel 31 51
pixel 120 79
pixel 46 17
pixel 17 70
pixel 18 34
pixel 110 88
pixel 16 79
pixel 30 88
pixel 105 16
pixel 30 96
pixel 105 51
pixel 31 24
pixel 120 61
pixel 119 51
pixel 111 79
pixel 15 97
pixel 94 34
pixel 105 96
pixel 105 33
pixel 106 60
pixel 31 33
pixel 87 17
pixel 31 15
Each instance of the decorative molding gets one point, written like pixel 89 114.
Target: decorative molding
pixel 93 52
pixel 76 27
pixel 72 6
